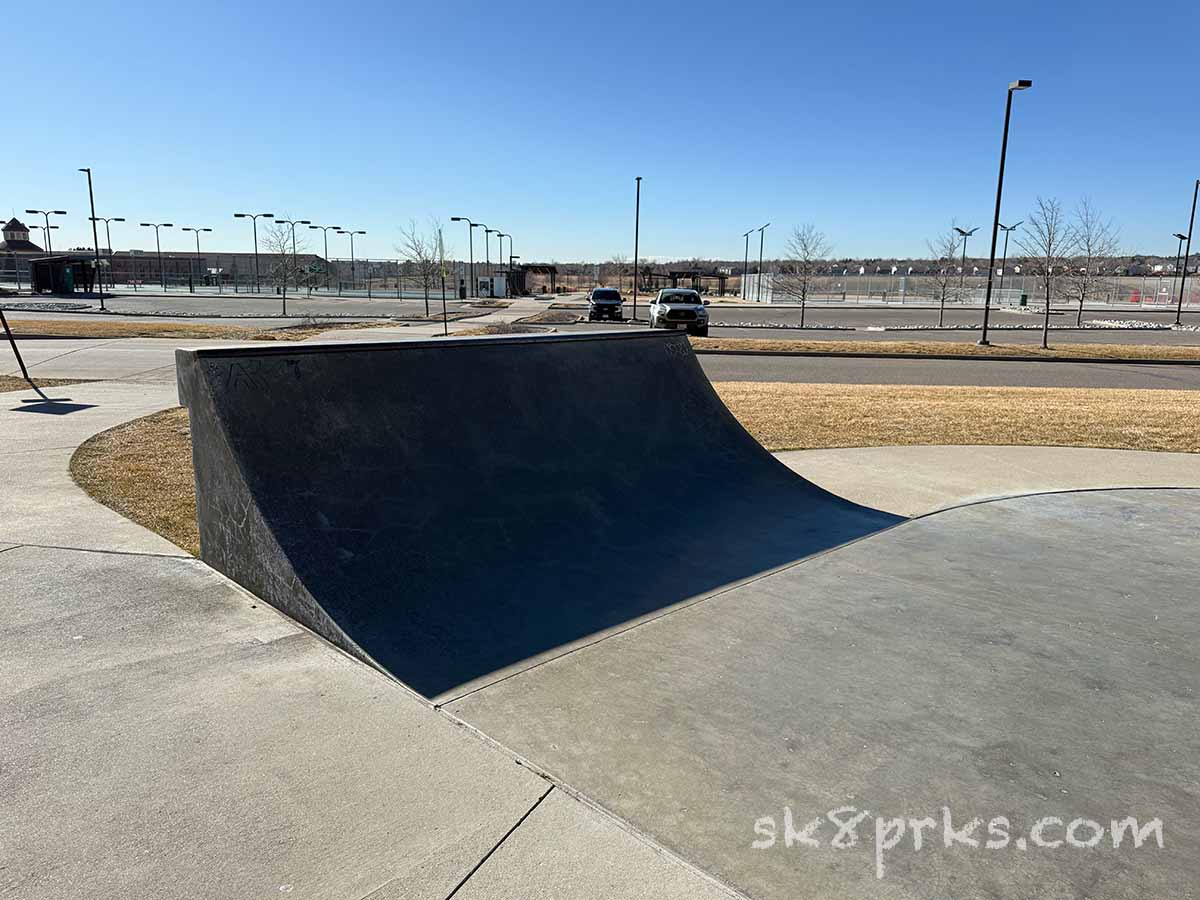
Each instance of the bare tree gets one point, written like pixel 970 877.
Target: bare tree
pixel 942 276
pixel 807 248
pixel 423 251
pixel 284 247
pixel 620 261
pixel 1048 243
pixel 1096 242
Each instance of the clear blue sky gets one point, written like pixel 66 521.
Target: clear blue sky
pixel 875 122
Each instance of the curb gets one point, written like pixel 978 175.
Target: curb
pixel 951 356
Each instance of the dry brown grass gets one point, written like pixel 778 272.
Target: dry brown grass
pixel 107 328
pixel 498 328
pixel 806 416
pixel 17 383
pixel 553 317
pixel 143 470
pixel 922 348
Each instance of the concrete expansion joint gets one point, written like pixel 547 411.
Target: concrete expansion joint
pixel 180 555
pixel 1052 493
pixel 475 868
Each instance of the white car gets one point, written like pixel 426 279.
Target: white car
pixel 677 306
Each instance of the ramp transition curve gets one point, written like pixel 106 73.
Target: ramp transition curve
pixel 453 509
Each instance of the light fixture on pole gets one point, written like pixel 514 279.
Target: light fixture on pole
pixel 325 229
pixel 162 272
pixel 500 236
pixel 637 227
pixel 1007 229
pixel 471 226
pixel 1186 255
pixel 254 217
pixel 746 263
pixel 351 234
pixel 1179 249
pixel 95 236
pixel 758 284
pixel 1020 84
pixel 47 213
pixel 195 231
pixel 108 242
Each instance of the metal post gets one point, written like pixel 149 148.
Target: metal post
pixel 1186 255
pixel 746 264
pixel 987 294
pixel 637 224
pixel 95 237
pixel 758 285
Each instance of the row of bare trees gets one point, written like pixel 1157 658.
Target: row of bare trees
pixel 422 249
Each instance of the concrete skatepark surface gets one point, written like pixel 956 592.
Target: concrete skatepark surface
pixel 453 515
pixel 167 735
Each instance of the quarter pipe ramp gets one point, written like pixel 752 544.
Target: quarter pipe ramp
pixel 452 510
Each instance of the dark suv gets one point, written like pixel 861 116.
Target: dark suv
pixel 604 303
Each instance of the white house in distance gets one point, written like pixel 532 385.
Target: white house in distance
pixel 16 240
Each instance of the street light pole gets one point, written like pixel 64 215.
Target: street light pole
pixel 162 273
pixel 500 236
pixel 1187 253
pixel 1018 85
pixel 195 231
pixel 637 227
pixel 108 241
pixel 324 229
pixel 746 263
pixel 1007 229
pixel 758 285
pixel 1179 251
pixel 47 213
pixel 95 236
pixel 352 234
pixel 470 247
pixel 254 217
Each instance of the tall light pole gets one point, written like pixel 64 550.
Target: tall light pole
pixel 254 217
pixel 1007 229
pixel 746 264
pixel 47 213
pixel 637 225
pixel 352 234
pixel 108 241
pixel 95 236
pixel 1186 254
pixel 962 266
pixel 196 231
pixel 470 247
pixel 1179 250
pixel 292 223
pixel 500 236
pixel 325 229
pixel 758 286
pixel 1020 84
pixel 162 273
pixel 487 261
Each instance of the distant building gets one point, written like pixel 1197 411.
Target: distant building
pixel 16 240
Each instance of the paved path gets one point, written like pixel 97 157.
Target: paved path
pixel 980 372
pixel 168 735
pixel 913 481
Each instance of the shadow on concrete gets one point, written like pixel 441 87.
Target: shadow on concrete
pixel 450 509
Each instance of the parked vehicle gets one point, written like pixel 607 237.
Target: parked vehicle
pixel 604 303
pixel 677 306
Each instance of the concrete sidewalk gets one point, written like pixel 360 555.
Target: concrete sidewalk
pixel 914 481
pixel 168 735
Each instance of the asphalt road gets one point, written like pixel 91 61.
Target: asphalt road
pixel 976 372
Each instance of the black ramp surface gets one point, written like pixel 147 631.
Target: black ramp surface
pixel 451 509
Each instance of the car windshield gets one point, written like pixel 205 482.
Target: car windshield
pixel 607 294
pixel 680 298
